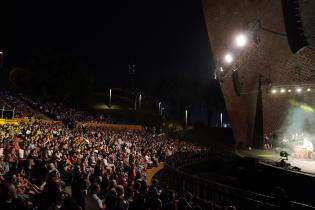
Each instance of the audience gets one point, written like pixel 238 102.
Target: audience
pixel 51 166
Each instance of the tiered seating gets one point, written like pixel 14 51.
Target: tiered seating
pixel 48 166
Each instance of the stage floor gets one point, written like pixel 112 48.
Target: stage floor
pixel 272 156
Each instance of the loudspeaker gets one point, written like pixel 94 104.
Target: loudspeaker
pixel 236 83
pixel 293 25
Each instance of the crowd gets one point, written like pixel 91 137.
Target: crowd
pixel 49 166
pixel 58 111
pixel 9 101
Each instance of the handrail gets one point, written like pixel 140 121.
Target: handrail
pixel 212 194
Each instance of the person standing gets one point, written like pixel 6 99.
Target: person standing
pixel 92 201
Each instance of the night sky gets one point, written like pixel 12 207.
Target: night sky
pixel 162 38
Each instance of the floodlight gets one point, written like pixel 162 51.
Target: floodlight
pixel 228 58
pixel 240 40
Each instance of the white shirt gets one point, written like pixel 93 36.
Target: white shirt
pixel 308 145
pixel 92 202
pixel 21 153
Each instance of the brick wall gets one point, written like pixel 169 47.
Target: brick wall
pixel 271 57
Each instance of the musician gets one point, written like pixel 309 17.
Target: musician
pixel 309 146
pixel 267 144
pixel 284 142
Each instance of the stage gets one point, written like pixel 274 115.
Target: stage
pixel 271 157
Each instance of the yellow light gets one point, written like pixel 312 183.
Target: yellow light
pixel 289 90
pixel 299 90
pixel 308 89
pixel 274 91
pixel 301 106
pixel 282 90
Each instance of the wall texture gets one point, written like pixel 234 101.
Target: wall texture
pixel 267 54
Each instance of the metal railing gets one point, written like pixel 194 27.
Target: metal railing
pixel 213 195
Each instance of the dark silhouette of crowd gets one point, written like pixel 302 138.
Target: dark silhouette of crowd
pixel 59 111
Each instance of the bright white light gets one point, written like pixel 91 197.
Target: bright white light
pixel 240 40
pixel 308 89
pixel 289 90
pixel 299 90
pixel 228 58
pixel 274 91
pixel 282 90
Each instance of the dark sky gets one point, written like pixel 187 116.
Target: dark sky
pixel 160 37
pixel 164 39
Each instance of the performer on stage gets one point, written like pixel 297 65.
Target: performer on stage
pixel 267 143
pixel 284 142
pixel 309 146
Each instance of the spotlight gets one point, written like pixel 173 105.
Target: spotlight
pixel 289 90
pixel 308 89
pixel 299 90
pixel 240 40
pixel 282 90
pixel 228 58
pixel 274 91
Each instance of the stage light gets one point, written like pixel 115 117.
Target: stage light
pixel 240 40
pixel 282 90
pixel 302 106
pixel 274 91
pixel 289 90
pixel 299 90
pixel 308 89
pixel 228 58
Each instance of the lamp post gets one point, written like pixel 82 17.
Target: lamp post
pixel 186 115
pixel 1 59
pixel 139 101
pixel 160 107
pixel 110 98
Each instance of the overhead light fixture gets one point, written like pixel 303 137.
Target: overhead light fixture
pixel 274 91
pixel 299 90
pixel 240 40
pixel 282 90
pixel 289 90
pixel 228 58
pixel 308 89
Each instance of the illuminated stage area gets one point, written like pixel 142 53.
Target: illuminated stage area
pixel 273 158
